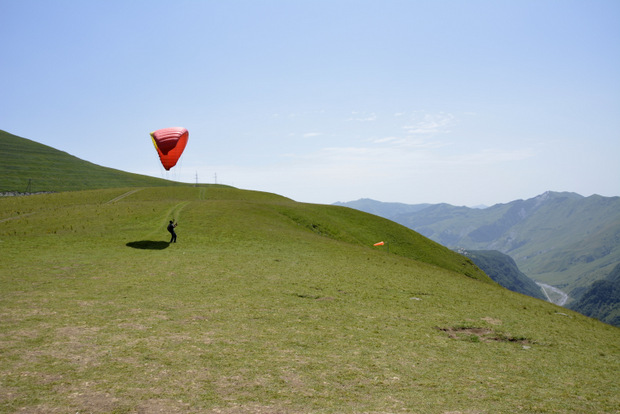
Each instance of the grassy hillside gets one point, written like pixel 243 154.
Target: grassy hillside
pixel 267 305
pixel 28 165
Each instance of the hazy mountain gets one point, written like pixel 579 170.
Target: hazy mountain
pixel 600 301
pixel 379 208
pixel 503 269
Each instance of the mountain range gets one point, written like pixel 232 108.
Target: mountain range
pixel 561 239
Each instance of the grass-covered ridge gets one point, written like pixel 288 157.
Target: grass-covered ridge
pixel 27 165
pixel 267 305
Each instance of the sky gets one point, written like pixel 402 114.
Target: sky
pixel 463 102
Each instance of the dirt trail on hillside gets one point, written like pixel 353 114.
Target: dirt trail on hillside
pixel 128 193
pixel 16 217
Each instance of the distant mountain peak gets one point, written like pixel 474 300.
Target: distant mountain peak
pixel 558 194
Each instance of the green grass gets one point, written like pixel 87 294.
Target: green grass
pixel 267 305
pixel 26 165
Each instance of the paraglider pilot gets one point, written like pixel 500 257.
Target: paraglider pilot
pixel 171 227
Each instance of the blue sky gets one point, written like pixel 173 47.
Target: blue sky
pixel 464 102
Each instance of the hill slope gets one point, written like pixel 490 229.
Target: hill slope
pixel 267 305
pixel 26 165
pixel 503 269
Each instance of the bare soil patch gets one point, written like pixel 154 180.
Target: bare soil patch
pixel 477 334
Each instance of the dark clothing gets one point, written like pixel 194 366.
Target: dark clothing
pixel 171 227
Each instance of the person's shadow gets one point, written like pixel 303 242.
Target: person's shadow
pixel 148 245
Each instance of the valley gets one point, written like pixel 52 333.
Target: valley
pixel 554 295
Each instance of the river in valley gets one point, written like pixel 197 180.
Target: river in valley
pixel 554 295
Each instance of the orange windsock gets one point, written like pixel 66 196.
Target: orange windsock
pixel 379 244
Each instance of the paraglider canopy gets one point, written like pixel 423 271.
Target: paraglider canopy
pixel 170 143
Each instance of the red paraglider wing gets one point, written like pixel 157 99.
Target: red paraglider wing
pixel 170 143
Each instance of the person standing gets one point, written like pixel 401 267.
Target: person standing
pixel 171 226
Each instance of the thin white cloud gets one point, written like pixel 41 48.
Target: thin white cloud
pixel 410 142
pixel 393 154
pixel 389 140
pixel 363 117
pixel 430 124
pixel 414 150
pixel 376 170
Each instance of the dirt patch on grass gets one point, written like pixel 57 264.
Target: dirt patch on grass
pixel 477 334
pixel 94 401
pixel 491 321
pixel 252 409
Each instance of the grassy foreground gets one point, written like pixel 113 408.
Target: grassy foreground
pixel 267 305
